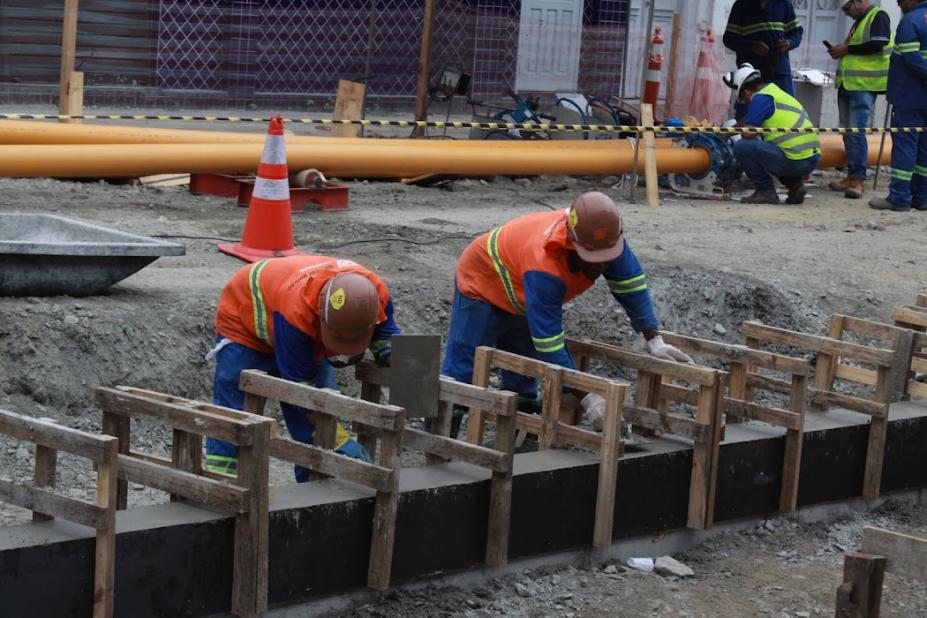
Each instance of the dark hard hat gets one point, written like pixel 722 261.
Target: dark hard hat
pixel 595 227
pixel 349 307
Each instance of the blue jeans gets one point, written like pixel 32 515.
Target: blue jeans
pixel 474 323
pixel 909 159
pixel 230 362
pixel 855 108
pixel 759 159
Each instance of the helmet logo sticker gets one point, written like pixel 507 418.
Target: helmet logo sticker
pixel 336 299
pixel 574 218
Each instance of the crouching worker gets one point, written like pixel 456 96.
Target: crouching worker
pixel 297 318
pixel 790 156
pixel 511 284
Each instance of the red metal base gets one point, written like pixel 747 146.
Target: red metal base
pixel 331 197
pixel 253 255
pixel 221 185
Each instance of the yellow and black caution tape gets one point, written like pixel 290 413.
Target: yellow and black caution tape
pixel 438 124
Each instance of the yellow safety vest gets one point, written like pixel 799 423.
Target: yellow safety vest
pixel 789 114
pixel 869 72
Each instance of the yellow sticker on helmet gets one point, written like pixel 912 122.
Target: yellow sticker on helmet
pixel 336 299
pixel 574 218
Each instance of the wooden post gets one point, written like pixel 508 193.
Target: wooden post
pixel 105 552
pixel 608 468
pixel 119 426
pixel 878 431
pixel 424 65
pixel 68 53
pixel 75 96
pixel 440 426
pixel 737 388
pixel 550 414
pixel 366 438
pixel 675 43
pixel 860 594
pixel 901 364
pixel 704 456
pixel 46 462
pixel 186 454
pixel 349 105
pixel 650 157
pixel 794 438
pixel 249 575
pixel 384 514
pixel 482 360
pixel 500 488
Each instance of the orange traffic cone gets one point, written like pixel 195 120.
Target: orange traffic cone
pixel 708 102
pixel 268 230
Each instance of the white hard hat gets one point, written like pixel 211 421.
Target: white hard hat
pixel 735 80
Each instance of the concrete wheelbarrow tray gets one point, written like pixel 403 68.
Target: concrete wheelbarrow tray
pixel 48 255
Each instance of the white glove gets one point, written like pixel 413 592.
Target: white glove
pixel 594 410
pixel 664 351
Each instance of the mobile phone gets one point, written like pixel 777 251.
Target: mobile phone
pixel 827 45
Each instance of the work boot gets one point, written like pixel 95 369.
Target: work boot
pixel 457 414
pixel 855 188
pixel 761 197
pixel 880 203
pixel 797 191
pixel 919 206
pixel 840 185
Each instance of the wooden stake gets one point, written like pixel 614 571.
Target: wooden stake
pixel 348 106
pixel 385 508
pixel 46 461
pixel 482 365
pixel 794 438
pixel 119 426
pixel 675 44
pixel 68 53
pixel 424 66
pixel 860 594
pixel 650 157
pixel 608 468
pixel 75 96
pixel 105 553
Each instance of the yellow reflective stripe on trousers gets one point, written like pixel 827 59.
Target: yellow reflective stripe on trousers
pixel 261 329
pixel 628 286
pixel 222 463
pixel 492 246
pixel 549 344
pixel 920 170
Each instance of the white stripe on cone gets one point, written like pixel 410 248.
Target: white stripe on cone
pixel 705 73
pixel 274 150
pixel 272 189
pixel 653 75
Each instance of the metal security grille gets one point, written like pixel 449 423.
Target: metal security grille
pixel 191 45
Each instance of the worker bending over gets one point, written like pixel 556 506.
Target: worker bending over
pixel 512 282
pixel 296 318
pixel 907 92
pixel 787 155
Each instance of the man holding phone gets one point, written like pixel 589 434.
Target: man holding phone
pixel 862 74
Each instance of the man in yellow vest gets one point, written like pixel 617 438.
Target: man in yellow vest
pixel 862 74
pixel 790 154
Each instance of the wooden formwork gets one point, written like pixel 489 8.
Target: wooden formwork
pixel 439 447
pixel 654 388
pixel 49 438
pixel 182 476
pixel 552 431
pixel 386 422
pixel 914 318
pixel 742 381
pixel 830 351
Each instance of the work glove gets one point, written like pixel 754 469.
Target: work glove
pixel 352 448
pixel 383 355
pixel 664 351
pixel 594 410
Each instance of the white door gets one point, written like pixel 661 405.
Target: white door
pixel 549 39
pixel 822 21
pixel 639 42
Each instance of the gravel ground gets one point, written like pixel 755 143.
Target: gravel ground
pixel 711 265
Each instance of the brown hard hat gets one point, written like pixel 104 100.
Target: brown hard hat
pixel 595 227
pixel 349 307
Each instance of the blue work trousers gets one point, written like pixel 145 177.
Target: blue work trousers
pixel 758 159
pixel 855 109
pixel 475 323
pixel 909 159
pixel 234 358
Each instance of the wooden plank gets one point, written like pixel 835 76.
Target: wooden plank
pixel 712 402
pixel 186 454
pixel 386 505
pixel 860 594
pixel 366 436
pixel 576 436
pixel 608 468
pixel 701 491
pixel 500 494
pixel 164 180
pixel 650 156
pixel 917 389
pixel 104 567
pixel 440 426
pixel 919 365
pixel 768 383
pixel 669 422
pixel 905 554
pixel 766 414
pixel 199 405
pixel 44 501
pixel 736 388
pixel 252 525
pixel 672 70
pixel 68 52
pixel 921 301
pixel 118 401
pixel 349 105
pixel 52 435
pixel 816 343
pixel 856 404
pixel 794 440
pixel 311 398
pixel 681 394
pixel 454 450
pixel 692 374
pixel 731 353
pixel 904 364
pixel 220 494
pixel 120 426
pixel 550 413
pixel 46 463
pixel 878 433
pixel 868 328
pixel 825 371
pixel 331 463
pixel 909 317
pixel 483 360
pixel 855 374
pixel 586 382
pixel 424 65
pixel 167 462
